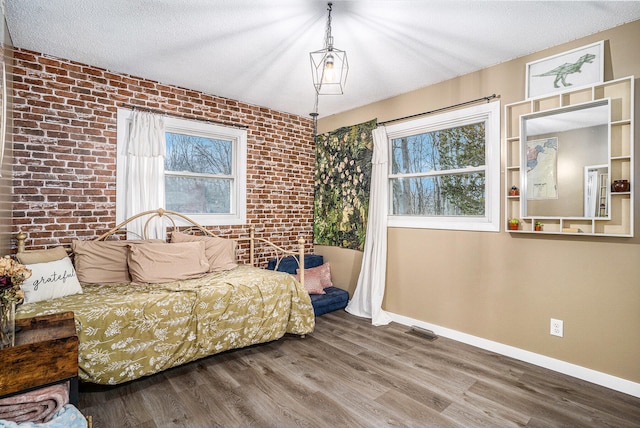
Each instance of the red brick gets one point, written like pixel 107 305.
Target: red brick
pixel 73 168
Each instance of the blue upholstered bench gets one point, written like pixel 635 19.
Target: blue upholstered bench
pixel 334 299
pixel 290 264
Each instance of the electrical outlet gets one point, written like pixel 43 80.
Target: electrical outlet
pixel 557 327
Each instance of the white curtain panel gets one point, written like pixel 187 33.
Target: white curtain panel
pixel 367 299
pixel 145 152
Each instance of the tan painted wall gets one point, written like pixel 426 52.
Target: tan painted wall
pixel 506 288
pixel 345 266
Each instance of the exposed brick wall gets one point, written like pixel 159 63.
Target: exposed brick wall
pixel 64 133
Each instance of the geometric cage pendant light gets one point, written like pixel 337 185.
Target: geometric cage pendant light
pixel 329 66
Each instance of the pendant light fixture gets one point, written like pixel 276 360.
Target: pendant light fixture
pixel 329 66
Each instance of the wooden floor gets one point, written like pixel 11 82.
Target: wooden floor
pixel 350 374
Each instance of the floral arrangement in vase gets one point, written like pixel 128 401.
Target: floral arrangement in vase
pixel 12 275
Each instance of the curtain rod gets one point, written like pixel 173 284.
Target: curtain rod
pixel 487 98
pixel 182 116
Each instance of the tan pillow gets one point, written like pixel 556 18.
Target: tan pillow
pixel 152 262
pixel 41 256
pixel 220 252
pixel 103 262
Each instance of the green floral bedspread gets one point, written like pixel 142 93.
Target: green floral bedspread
pixel 128 331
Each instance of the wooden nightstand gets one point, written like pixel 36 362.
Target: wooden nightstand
pixel 45 353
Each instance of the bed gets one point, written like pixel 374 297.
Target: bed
pixel 132 328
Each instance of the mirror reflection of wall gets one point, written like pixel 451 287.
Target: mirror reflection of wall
pixel 580 138
pixel 576 149
pixel 596 185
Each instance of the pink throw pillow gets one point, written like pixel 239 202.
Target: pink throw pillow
pixel 320 274
pixel 312 285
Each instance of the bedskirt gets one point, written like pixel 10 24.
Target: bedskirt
pixel 128 331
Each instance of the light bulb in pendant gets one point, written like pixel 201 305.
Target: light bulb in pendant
pixel 329 72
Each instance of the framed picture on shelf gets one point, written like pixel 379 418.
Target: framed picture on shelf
pixel 566 71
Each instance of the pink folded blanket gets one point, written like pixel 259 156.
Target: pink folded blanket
pixel 37 406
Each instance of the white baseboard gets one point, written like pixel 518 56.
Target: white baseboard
pixel 593 376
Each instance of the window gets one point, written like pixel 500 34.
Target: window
pixel 204 170
pixel 444 170
pixel 198 174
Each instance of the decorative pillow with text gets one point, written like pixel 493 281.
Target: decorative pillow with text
pixel 51 280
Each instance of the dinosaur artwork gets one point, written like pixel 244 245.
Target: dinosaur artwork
pixel 561 72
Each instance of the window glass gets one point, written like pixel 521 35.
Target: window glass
pixel 446 149
pixel 198 154
pixel 198 174
pixel 448 195
pixel 440 160
pixel 190 195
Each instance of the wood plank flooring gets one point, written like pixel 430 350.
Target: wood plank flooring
pixel 351 374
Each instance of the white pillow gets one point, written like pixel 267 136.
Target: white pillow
pixel 50 280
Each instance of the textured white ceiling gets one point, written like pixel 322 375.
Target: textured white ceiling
pixel 257 51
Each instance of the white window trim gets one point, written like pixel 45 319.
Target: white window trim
pixel 490 222
pixel 204 129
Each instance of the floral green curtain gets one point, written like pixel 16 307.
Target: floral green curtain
pixel 342 182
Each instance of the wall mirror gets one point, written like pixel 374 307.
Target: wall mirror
pixel 565 159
